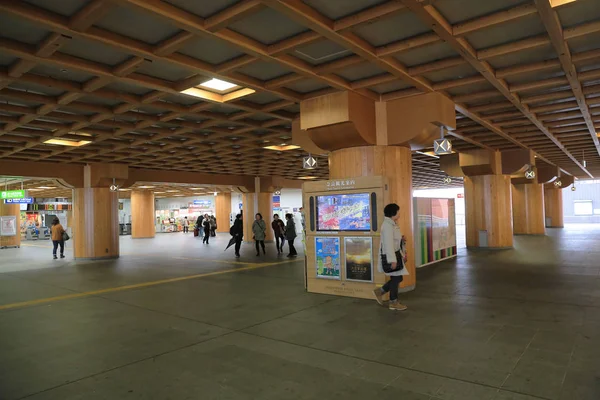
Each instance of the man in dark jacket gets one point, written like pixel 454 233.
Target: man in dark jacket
pixel 278 230
pixel 237 231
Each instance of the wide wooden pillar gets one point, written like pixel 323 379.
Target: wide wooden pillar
pixel 223 211
pixel 395 163
pixel 253 203
pixel 553 204
pixel 528 209
pixel 142 214
pixel 488 211
pixel 96 223
pixel 11 210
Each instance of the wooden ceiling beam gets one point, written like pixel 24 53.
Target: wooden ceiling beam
pixel 513 47
pixel 90 14
pixel 192 23
pixel 440 26
pixel 105 72
pixel 454 83
pixel 494 19
pixel 403 45
pixel 58 23
pixel 581 30
pixel 172 44
pixel 232 14
pixel 436 65
pixel 288 45
pixel 368 16
pixel 303 13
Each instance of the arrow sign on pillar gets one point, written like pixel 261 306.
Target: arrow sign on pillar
pixel 442 146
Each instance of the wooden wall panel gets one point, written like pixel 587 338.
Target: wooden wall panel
pixel 95 223
pixel 253 203
pixel 489 208
pixel 142 214
pixel 394 163
pixel 223 211
pixel 553 204
pixel 528 209
pixel 11 210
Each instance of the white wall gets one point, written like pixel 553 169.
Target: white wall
pixel 450 193
pixel 175 203
pixel 291 198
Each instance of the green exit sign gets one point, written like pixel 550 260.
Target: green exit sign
pixel 12 194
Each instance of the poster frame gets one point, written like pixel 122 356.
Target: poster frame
pixel 370 239
pixel 339 249
pixel 14 224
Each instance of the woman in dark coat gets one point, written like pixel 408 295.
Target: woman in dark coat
pixel 290 234
pixel 237 231
pixel 206 226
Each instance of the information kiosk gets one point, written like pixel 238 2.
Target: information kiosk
pixel 343 219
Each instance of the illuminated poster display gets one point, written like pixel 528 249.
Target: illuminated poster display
pixel 327 251
pixel 344 212
pixel 359 258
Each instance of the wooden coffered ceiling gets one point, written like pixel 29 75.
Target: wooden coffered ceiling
pixel 521 73
pixel 49 188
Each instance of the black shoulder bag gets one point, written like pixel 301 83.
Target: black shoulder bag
pixel 387 266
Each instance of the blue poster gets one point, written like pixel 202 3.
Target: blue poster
pixel 328 257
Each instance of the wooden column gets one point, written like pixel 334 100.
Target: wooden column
pixel 553 204
pixel 488 211
pixel 222 211
pixel 95 223
pixel 257 203
pixel 528 209
pixel 11 210
pixel 395 163
pixel 142 214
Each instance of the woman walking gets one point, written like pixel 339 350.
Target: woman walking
pixel 206 226
pixel 259 230
pixel 213 226
pixel 57 231
pixel 278 230
pixel 392 244
pixel 290 234
pixel 237 231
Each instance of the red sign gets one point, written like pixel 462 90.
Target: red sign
pixel 460 196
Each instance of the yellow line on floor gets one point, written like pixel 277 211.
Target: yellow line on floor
pixel 137 285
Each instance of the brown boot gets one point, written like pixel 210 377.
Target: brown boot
pixel 378 296
pixel 395 306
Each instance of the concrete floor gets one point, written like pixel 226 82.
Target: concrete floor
pixel 521 324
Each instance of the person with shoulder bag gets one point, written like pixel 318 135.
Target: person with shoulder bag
pixel 290 234
pixel 259 230
pixel 58 238
pixel 392 257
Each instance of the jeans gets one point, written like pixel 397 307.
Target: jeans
pixel 206 236
pixel 262 244
pixel 238 244
pixel 277 239
pixel 186 229
pixel 56 243
pixel 392 287
pixel 293 251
